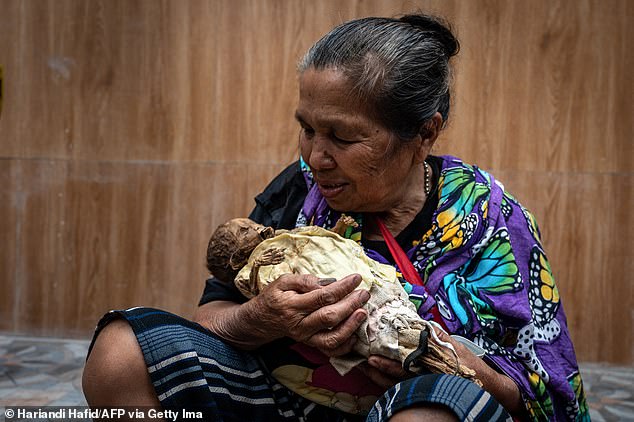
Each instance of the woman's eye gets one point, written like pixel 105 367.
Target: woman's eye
pixel 340 140
pixel 307 129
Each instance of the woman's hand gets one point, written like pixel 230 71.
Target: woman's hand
pixel 384 372
pixel 295 306
pixel 322 316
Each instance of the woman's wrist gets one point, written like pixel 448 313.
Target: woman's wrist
pixel 238 324
pixel 500 386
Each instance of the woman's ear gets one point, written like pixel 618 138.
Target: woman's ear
pixel 428 134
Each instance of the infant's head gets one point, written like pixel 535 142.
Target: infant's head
pixel 231 244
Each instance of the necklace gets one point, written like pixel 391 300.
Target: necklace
pixel 427 178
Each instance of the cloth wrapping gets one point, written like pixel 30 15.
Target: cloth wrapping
pixel 393 327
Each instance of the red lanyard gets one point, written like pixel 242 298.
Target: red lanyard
pixel 406 267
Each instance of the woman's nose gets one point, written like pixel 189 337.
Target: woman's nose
pixel 319 158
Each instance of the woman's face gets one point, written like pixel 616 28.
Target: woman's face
pixel 357 163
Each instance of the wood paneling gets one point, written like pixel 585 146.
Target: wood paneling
pixel 545 81
pixel 130 129
pixel 93 236
pixel 10 207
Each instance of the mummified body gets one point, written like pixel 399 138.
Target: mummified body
pixel 253 256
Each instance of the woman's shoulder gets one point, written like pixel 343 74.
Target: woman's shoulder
pixel 279 203
pixel 288 178
pixel 449 161
pixel 461 172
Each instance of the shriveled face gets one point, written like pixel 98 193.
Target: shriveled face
pixel 248 233
pixel 231 245
pixel 358 164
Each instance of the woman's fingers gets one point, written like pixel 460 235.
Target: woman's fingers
pixel 388 367
pixel 339 340
pixel 302 306
pixel 330 316
pixel 384 372
pixel 378 377
pixel 329 328
pixel 299 283
pixel 328 294
pixel 341 347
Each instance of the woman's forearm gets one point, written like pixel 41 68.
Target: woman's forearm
pixel 500 386
pixel 295 306
pixel 235 323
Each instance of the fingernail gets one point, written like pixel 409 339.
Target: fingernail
pixel 361 317
pixel 326 281
pixel 364 295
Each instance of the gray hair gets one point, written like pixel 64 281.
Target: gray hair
pixel 399 67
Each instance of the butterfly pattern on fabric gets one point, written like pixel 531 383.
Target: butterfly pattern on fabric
pixel 543 296
pixel 542 407
pixel 416 298
pixel 493 347
pixel 505 207
pixel 453 224
pixel 532 224
pixel 577 409
pixel 493 271
pixel 468 302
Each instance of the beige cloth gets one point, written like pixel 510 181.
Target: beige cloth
pixel 393 326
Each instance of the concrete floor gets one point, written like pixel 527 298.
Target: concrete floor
pixel 47 372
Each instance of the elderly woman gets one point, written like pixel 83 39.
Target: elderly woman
pixel 374 95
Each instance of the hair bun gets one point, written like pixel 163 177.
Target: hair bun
pixel 439 27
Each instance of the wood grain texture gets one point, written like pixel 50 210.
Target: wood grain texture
pixel 545 82
pixel 98 236
pixel 10 207
pixel 130 129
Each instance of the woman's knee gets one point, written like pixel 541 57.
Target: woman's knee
pixel 115 372
pixel 428 412
pixel 436 397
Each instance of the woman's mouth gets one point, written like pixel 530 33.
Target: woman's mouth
pixel 330 190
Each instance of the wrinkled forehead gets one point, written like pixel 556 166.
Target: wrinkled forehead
pixel 244 225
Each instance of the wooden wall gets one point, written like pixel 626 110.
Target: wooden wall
pixel 130 129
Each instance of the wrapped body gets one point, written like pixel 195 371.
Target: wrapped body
pixel 393 328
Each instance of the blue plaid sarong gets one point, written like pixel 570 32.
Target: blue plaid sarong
pixel 193 369
pixel 468 401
